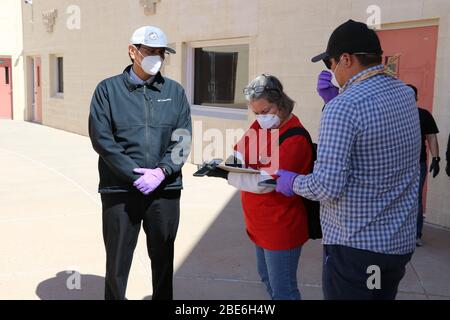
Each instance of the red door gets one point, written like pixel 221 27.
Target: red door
pixel 5 89
pixel 37 99
pixel 417 63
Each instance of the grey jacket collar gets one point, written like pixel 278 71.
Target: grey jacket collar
pixel 157 82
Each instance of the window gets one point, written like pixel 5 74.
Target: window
pixel 220 74
pixel 56 76
pixel 38 76
pixel 60 75
pixel 6 75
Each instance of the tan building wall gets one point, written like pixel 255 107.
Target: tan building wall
pixel 11 46
pixel 282 37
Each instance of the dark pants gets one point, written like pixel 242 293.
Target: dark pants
pixel 423 176
pixel 123 214
pixel 347 272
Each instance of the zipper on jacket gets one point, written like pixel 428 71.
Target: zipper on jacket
pixel 147 136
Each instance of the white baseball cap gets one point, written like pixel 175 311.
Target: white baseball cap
pixel 151 37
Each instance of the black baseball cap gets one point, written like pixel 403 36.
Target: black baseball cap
pixel 351 37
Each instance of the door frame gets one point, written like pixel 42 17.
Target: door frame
pixel 11 83
pixel 34 114
pixel 37 72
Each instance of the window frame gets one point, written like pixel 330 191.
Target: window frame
pixel 54 76
pixel 205 110
pixel 59 74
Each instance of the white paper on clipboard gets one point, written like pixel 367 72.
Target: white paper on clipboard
pixel 238 170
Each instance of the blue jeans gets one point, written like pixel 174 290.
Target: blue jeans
pixel 423 176
pixel 278 271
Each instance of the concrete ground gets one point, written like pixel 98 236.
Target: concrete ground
pixel 50 225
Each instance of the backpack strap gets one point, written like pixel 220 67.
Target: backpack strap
pixel 298 131
pixel 312 207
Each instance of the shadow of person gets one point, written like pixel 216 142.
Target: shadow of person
pixel 70 285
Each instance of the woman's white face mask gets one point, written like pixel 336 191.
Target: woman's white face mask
pixel 151 64
pixel 268 121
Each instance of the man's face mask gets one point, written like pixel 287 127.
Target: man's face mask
pixel 333 79
pixel 151 64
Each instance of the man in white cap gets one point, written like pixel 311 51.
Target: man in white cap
pixel 140 125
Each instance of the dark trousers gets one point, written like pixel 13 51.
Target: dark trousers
pixel 423 176
pixel 345 273
pixel 123 214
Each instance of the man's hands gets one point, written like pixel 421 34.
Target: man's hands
pixel 434 167
pixel 285 182
pixel 325 88
pixel 150 180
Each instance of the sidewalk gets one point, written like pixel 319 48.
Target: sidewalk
pixel 50 223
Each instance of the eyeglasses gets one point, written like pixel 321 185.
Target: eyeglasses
pixel 257 91
pixel 152 51
pixel 328 63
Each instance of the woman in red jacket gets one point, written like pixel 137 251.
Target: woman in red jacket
pixel 275 223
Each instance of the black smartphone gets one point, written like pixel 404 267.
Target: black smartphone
pixel 268 183
pixel 207 167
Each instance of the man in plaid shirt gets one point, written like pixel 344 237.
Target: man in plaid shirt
pixel 367 172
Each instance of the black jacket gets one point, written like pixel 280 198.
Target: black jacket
pixel 133 126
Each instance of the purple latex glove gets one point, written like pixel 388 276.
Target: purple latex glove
pixel 325 88
pixel 150 180
pixel 285 182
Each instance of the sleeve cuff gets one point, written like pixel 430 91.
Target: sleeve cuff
pixel 166 169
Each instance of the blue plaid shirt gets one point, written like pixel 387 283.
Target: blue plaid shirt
pixel 367 171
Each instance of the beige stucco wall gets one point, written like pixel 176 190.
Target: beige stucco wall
pixel 282 36
pixel 11 46
pixel 99 49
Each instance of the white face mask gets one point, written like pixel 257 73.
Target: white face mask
pixel 151 64
pixel 333 79
pixel 268 121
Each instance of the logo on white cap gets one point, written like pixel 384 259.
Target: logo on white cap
pixel 153 36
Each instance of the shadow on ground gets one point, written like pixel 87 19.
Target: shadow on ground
pixel 67 286
pixel 222 265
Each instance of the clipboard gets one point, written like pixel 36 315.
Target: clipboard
pixel 219 163
pixel 237 169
